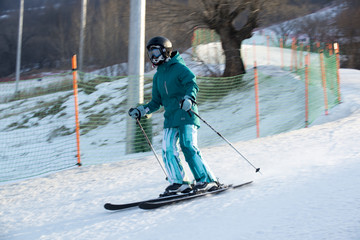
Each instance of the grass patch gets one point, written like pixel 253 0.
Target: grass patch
pixel 64 84
pixel 60 131
pixel 213 89
pixel 90 86
pixel 53 109
pixel 94 121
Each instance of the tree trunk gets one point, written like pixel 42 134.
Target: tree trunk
pixel 233 61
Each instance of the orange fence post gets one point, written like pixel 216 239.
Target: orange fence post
pixel 268 49
pixel 295 54
pixel 292 55
pixel 193 42
pixel 282 52
pixel 307 62
pixel 330 49
pixel 244 58
pixel 254 50
pixel 75 86
pixel 257 100
pixel 323 77
pixel 337 52
pixel 301 55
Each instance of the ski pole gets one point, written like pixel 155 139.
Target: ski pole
pixel 256 169
pixel 151 146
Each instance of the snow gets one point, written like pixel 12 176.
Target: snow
pixel 308 190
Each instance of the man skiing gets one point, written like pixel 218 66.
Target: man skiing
pixel 175 88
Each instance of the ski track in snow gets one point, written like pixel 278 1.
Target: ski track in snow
pixel 308 190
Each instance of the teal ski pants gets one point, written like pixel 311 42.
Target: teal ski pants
pixel 185 137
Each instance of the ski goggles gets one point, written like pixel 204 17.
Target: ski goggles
pixel 154 52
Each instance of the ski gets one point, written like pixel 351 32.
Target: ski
pixel 112 207
pixel 162 202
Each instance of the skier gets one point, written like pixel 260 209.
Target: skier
pixel 175 88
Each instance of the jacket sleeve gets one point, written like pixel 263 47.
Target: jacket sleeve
pixel 155 102
pixel 188 80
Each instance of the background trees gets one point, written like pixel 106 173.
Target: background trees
pixel 235 20
pixel 51 28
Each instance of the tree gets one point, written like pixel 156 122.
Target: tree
pixel 348 25
pixel 107 31
pixel 283 31
pixel 223 16
pixel 316 27
pixel 8 40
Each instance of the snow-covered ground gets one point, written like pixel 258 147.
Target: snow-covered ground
pixel 309 189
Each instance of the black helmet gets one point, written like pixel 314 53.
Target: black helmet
pixel 159 49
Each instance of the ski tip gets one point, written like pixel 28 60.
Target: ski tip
pixel 109 206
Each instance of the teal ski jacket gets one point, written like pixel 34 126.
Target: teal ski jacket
pixel 171 83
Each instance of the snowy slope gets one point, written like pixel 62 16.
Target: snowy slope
pixel 308 190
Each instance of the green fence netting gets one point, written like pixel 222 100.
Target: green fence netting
pixel 37 124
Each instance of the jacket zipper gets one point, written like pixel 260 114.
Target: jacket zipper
pixel 166 90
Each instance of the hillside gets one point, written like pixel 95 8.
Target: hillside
pixel 308 190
